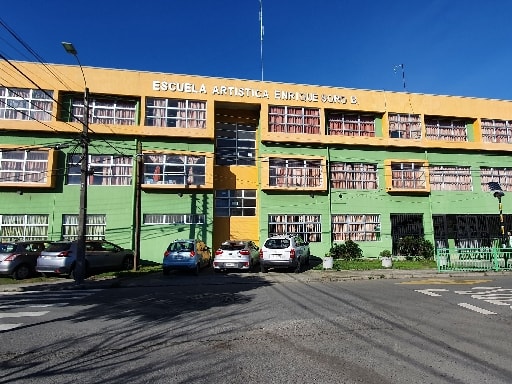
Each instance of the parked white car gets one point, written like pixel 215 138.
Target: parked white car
pixel 284 251
pixel 236 254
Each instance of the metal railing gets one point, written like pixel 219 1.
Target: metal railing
pixel 474 259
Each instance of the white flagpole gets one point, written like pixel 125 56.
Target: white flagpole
pixel 261 38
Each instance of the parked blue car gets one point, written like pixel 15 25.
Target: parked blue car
pixel 186 254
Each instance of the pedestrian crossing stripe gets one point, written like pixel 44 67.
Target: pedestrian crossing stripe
pixel 445 281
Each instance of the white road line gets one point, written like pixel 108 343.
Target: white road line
pixel 13 306
pixel 431 292
pixel 22 314
pixel 476 309
pixel 6 327
pixel 52 293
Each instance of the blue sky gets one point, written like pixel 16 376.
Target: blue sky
pixel 448 47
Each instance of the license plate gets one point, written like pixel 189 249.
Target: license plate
pixel 230 265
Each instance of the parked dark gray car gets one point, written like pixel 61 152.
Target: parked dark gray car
pixel 100 256
pixel 18 259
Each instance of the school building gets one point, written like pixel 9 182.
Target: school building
pixel 180 156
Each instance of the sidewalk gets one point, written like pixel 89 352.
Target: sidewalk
pixel 157 279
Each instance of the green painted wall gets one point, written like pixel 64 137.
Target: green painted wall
pixel 378 201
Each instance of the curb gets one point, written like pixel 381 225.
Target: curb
pixel 156 279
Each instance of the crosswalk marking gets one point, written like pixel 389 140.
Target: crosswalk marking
pixel 17 304
pixel 22 314
pixel 476 309
pixel 7 327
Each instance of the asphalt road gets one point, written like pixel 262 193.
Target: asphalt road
pixel 255 328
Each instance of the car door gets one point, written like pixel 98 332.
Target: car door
pixel 112 255
pixel 95 255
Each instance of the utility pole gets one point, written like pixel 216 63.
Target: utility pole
pixel 139 165
pixel 79 271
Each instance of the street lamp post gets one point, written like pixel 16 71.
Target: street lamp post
pixel 79 271
pixel 498 193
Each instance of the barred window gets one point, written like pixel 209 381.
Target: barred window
pixel 174 169
pixel 355 227
pixel 23 166
pixel 293 119
pixel 22 227
pixel 295 173
pixel 354 175
pixel 25 104
pixel 408 175
pixel 450 178
pixel 446 129
pixel 170 218
pixel 307 227
pixel 175 113
pixel 496 131
pixel 351 123
pixel 104 170
pixel 95 226
pixel 238 202
pixel 404 126
pixel 503 176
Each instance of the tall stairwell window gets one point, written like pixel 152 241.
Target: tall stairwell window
pixel 235 139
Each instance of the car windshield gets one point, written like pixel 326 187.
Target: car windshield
pixel 277 243
pixel 6 247
pixel 58 247
pixel 181 246
pixel 232 246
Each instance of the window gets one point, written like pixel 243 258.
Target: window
pixel 406 175
pixel 102 110
pixel 105 170
pixel 503 176
pixel 295 173
pixel 496 131
pixel 19 166
pixel 293 119
pixel 350 124
pixel 25 104
pixel 354 175
pixel 404 126
pixel 235 143
pixel 175 113
pixel 23 227
pixel 238 202
pixel 446 129
pixel 174 169
pixel 450 178
pixel 168 219
pixel 307 227
pixel 356 227
pixel 95 227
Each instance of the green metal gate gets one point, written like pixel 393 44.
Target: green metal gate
pixel 474 259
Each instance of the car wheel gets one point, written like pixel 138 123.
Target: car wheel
pixel 127 264
pixel 307 259
pixel 263 269
pixel 166 271
pixel 298 267
pixel 22 272
pixel 196 269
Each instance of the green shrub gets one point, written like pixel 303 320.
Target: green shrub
pixel 348 250
pixel 385 253
pixel 415 247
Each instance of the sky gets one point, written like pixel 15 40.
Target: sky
pixel 445 47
